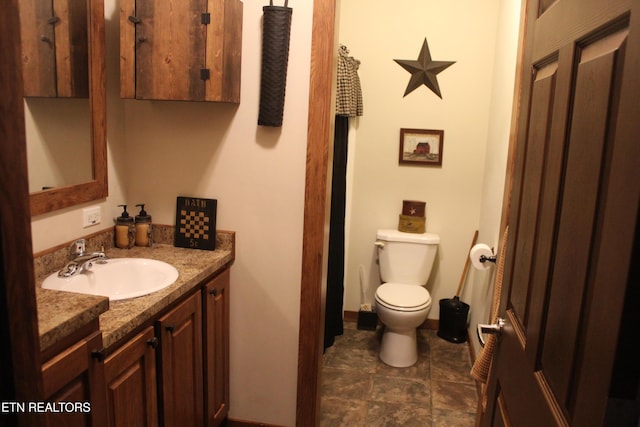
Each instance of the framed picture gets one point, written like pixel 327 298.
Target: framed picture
pixel 421 146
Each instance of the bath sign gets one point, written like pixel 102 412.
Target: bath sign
pixel 195 223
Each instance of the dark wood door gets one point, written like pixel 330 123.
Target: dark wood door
pixel 573 212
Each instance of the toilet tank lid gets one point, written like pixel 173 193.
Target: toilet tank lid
pixel 391 235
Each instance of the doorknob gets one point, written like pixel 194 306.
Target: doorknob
pixel 495 329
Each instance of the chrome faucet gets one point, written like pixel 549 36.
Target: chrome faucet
pixel 80 260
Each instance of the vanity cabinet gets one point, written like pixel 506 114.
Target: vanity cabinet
pixel 130 374
pixel 216 349
pixel 75 377
pixel 54 41
pixel 179 50
pixel 172 372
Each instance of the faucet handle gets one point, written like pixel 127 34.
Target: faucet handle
pixel 77 248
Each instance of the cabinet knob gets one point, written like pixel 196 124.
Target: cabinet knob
pixel 170 328
pixel 98 355
pixel 153 342
pixel 214 292
pixel 134 19
pixel 53 20
pixel 142 39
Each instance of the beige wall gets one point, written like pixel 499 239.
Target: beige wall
pixel 464 194
pixel 464 32
pixel 479 291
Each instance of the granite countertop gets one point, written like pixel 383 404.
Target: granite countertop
pixel 60 313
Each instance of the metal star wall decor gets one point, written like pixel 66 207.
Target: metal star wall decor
pixel 424 70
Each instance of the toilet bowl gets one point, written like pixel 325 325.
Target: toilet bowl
pixel 401 308
pixel 403 305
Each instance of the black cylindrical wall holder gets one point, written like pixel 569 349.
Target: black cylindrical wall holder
pixel 276 29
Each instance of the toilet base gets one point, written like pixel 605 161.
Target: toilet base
pixel 399 348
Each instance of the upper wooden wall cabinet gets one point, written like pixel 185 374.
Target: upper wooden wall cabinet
pixel 181 50
pixel 54 48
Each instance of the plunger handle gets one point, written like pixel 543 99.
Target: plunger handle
pixel 466 264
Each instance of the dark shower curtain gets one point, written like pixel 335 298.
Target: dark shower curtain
pixel 335 273
pixel 348 104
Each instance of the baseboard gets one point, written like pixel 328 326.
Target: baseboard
pixel 241 423
pixel 352 316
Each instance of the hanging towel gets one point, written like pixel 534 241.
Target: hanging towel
pixel 349 92
pixel 482 366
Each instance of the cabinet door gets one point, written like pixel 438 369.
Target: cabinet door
pixel 216 332
pixel 54 40
pixel 224 51
pixel 75 377
pixel 180 333
pixel 181 50
pixel 130 373
pixel 169 48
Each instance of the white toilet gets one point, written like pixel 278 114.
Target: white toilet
pixel 402 302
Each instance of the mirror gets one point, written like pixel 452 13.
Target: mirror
pixel 58 133
pixel 65 102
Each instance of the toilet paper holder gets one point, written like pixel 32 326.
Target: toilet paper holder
pixel 480 255
pixel 483 258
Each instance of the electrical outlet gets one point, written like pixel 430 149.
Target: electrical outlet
pixel 91 216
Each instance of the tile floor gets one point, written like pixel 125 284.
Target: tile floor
pixel 358 390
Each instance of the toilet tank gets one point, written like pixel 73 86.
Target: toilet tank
pixel 406 257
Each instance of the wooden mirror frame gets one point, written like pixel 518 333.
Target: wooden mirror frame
pixel 71 195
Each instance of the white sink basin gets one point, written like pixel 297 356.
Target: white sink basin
pixel 118 278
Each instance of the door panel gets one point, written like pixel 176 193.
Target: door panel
pixel 576 165
pixel 541 107
pixel 586 158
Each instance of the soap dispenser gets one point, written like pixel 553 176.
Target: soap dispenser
pixel 144 229
pixel 125 231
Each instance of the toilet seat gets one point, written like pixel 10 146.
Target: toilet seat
pixel 403 297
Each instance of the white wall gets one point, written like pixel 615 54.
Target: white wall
pixel 160 150
pixel 464 32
